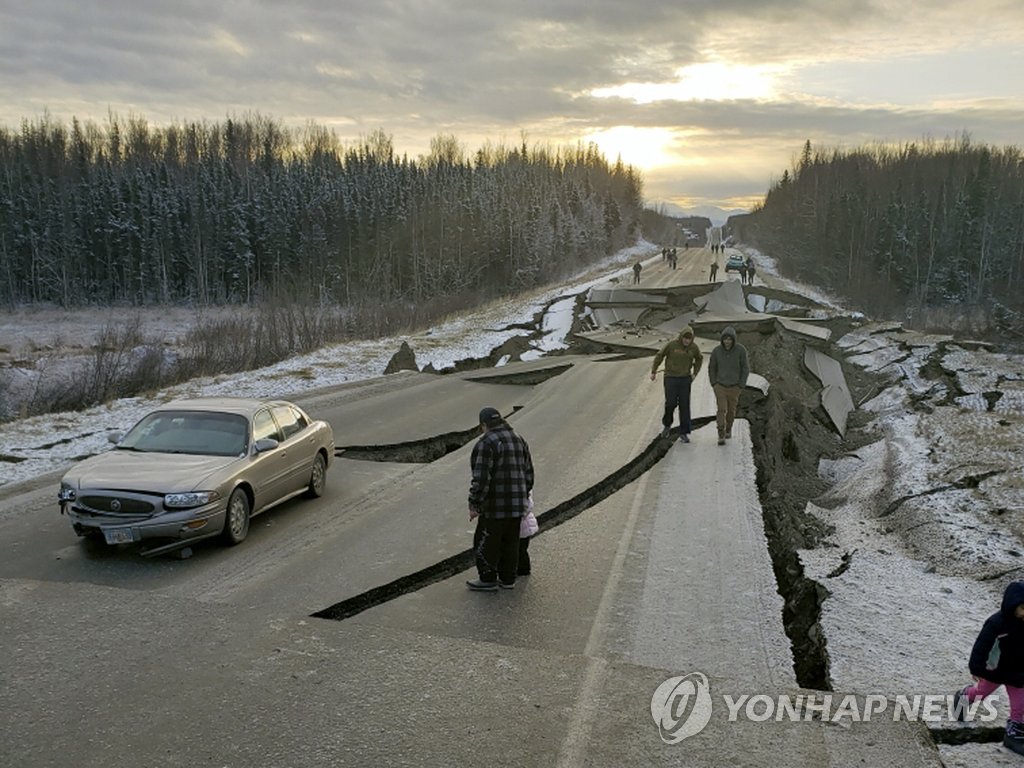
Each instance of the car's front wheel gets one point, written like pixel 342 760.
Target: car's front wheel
pixel 236 518
pixel 317 478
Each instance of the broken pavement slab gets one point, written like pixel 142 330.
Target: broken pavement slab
pixel 676 324
pixel 726 300
pixel 835 394
pixel 625 297
pixel 804 329
pixel 605 317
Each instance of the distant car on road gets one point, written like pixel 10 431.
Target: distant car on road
pixel 198 468
pixel 735 263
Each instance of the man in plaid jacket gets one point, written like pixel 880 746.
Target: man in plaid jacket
pixel 498 493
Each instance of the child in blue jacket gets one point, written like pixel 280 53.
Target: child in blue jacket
pixel 998 659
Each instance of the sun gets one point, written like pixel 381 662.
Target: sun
pixel 710 81
pixel 643 148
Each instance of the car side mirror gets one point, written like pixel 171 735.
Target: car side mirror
pixel 266 444
pixel 114 437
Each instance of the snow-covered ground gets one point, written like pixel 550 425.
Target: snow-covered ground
pixel 41 444
pixel 927 528
pixel 766 265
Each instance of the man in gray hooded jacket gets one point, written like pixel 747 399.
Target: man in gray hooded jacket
pixel 728 370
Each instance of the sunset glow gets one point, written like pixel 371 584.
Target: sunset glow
pixel 711 101
pixel 640 147
pixel 701 82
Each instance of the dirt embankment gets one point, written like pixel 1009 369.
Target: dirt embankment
pixel 791 433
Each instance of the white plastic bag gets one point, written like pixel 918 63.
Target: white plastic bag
pixel 528 522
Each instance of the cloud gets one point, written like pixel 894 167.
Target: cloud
pixel 718 75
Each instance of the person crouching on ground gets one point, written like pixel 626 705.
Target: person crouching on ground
pixel 727 371
pixel 683 360
pixel 997 658
pixel 499 492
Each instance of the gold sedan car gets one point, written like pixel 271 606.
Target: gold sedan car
pixel 199 468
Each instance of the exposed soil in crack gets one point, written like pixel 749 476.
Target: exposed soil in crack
pixel 968 481
pixel 525 378
pixel 790 433
pixel 413 452
pixel 933 370
pixel 975 734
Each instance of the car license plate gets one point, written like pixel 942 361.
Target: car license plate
pixel 118 535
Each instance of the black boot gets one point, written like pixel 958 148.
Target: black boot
pixel 1014 738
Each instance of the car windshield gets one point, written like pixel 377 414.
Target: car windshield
pixel 201 433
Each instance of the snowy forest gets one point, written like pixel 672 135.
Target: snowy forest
pixel 246 210
pixel 925 231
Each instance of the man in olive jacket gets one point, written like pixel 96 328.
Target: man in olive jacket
pixel 683 360
pixel 728 370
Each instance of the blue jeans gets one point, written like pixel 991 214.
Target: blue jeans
pixel 677 395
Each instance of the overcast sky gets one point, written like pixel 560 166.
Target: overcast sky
pixel 711 99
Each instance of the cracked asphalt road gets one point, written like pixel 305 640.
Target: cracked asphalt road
pixel 114 660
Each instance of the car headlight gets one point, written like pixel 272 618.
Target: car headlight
pixel 66 493
pixel 186 500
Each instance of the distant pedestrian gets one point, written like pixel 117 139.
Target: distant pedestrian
pixel 636 272
pixel 751 269
pixel 743 274
pixel 997 658
pixel 683 360
pixel 714 271
pixel 499 492
pixel 728 370
pixel 674 257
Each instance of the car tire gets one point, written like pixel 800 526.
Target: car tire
pixel 236 518
pixel 317 478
